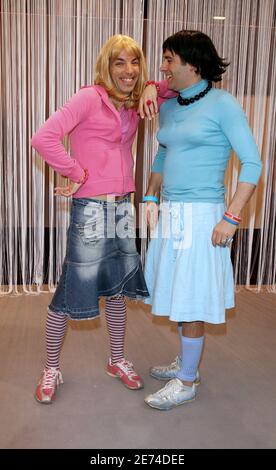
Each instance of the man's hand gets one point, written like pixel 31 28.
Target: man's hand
pixel 151 214
pixel 67 191
pixel 223 233
pixel 148 106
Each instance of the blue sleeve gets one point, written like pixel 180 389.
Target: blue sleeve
pixel 235 126
pixel 159 159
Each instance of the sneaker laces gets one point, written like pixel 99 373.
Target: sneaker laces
pixel 177 361
pixel 169 388
pixel 173 365
pixel 50 378
pixel 127 367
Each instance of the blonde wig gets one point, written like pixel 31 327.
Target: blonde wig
pixel 109 52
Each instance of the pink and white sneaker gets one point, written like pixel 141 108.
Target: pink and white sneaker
pixel 50 379
pixel 123 369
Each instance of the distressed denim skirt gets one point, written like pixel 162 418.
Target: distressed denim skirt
pixel 101 258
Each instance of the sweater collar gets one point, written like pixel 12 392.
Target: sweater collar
pixel 194 89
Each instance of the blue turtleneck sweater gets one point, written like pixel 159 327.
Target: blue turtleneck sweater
pixel 196 143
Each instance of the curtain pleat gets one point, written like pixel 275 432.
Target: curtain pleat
pixel 48 50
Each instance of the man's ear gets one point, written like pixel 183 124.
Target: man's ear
pixel 194 69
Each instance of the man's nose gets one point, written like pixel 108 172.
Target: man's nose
pixel 129 67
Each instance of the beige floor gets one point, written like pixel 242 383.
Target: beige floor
pixel 235 406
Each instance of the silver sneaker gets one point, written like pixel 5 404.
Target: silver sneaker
pixel 174 393
pixel 170 372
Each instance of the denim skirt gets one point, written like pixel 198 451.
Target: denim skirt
pixel 101 258
pixel 187 277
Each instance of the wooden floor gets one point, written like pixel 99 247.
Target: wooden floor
pixel 235 405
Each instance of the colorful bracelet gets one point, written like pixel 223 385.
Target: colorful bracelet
pixel 232 216
pixel 152 82
pixel 84 177
pixel 150 198
pixel 231 221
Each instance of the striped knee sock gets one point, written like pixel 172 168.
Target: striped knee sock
pixel 55 331
pixel 115 312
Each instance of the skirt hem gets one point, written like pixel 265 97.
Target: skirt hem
pixel 69 314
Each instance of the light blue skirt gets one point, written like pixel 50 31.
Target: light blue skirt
pixel 187 277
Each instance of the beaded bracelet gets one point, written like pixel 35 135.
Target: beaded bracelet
pixel 231 221
pixel 150 198
pixel 152 82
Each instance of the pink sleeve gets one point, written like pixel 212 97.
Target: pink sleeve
pixel 48 139
pixel 164 91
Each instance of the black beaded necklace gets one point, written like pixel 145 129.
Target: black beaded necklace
pixel 187 101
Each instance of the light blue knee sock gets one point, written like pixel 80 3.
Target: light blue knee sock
pixel 190 355
pixel 180 337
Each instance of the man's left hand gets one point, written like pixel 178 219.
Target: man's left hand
pixel 223 233
pixel 67 191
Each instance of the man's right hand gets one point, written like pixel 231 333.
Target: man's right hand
pixel 151 214
pixel 148 110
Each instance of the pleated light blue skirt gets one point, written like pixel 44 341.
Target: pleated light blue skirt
pixel 187 277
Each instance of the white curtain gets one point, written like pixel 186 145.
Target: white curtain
pixel 47 51
pixel 245 36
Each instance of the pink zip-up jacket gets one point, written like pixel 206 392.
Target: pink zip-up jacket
pixel 96 143
pixel 94 128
